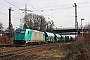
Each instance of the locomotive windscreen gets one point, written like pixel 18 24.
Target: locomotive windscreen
pixel 20 31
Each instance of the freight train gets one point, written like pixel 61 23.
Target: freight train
pixel 29 36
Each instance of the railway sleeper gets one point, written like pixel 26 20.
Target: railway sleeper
pixel 1 56
pixel 6 55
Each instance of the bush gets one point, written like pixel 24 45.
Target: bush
pixel 5 40
pixel 80 50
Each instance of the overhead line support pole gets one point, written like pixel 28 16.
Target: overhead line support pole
pixel 9 24
pixel 75 15
pixel 76 23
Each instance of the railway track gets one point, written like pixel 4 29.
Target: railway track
pixel 24 52
pixel 18 51
pixel 6 45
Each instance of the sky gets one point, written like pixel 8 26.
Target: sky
pixel 62 12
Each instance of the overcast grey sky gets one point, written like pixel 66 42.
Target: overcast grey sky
pixel 60 11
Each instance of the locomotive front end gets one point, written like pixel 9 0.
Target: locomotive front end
pixel 19 36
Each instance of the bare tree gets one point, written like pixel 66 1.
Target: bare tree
pixel 34 21
pixel 42 23
pixel 28 23
pixel 50 25
pixel 38 22
pixel 1 26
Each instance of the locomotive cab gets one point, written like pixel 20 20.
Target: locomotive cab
pixel 19 36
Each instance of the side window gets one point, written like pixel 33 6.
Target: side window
pixel 28 32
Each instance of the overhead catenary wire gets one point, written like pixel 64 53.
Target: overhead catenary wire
pixel 53 6
pixel 16 12
pixel 3 14
pixel 45 7
pixel 62 9
pixel 7 15
pixel 58 8
pixel 11 4
pixel 62 5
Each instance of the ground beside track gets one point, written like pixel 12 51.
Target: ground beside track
pixel 52 51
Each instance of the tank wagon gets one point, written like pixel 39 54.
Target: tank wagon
pixel 62 38
pixel 29 36
pixel 49 37
pixel 65 38
pixel 57 37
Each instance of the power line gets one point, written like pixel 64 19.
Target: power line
pixel 61 5
pixel 7 23
pixel 3 14
pixel 61 10
pixel 7 15
pixel 53 6
pixel 55 9
pixel 14 6
pixel 14 10
pixel 45 7
pixel 11 4
pixel 48 7
pixel 58 7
